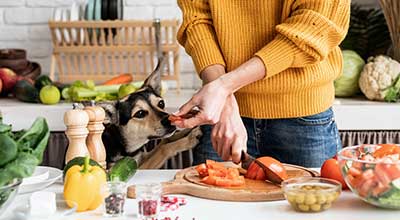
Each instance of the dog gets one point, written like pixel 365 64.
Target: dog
pixel 136 119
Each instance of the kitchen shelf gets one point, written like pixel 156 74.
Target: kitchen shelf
pixel 354 114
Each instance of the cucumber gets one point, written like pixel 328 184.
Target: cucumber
pixel 396 183
pixel 123 169
pixel 78 161
pixel 347 166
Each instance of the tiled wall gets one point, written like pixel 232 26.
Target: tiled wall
pixel 23 24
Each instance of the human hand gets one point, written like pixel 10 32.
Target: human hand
pixel 229 136
pixel 209 100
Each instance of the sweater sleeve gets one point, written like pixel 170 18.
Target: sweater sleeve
pixel 313 29
pixel 197 34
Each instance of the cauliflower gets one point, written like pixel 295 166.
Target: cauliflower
pixel 379 79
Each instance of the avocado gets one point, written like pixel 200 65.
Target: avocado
pixel 26 92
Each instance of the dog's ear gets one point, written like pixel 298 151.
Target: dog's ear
pixel 154 79
pixel 111 109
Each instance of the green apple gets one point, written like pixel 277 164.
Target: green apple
pixel 49 95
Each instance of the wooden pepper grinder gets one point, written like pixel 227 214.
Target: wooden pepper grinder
pixel 94 142
pixel 76 121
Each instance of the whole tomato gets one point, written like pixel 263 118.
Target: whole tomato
pixel 331 170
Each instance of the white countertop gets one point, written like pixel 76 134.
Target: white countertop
pixel 351 114
pixel 348 206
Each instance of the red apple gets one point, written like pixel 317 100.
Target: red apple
pixel 1 85
pixel 9 79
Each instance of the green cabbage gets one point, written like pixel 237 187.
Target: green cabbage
pixel 347 84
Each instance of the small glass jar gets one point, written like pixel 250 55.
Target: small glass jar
pixel 114 193
pixel 149 200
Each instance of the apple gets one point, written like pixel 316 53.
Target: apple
pixel 1 85
pixel 9 79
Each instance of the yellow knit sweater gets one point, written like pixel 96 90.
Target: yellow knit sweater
pixel 296 39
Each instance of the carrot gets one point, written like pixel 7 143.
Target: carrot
pixel 120 79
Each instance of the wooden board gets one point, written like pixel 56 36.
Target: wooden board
pixel 188 182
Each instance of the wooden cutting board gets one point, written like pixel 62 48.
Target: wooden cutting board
pixel 188 182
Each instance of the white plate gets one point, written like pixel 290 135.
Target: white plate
pixel 57 16
pixel 65 17
pixel 74 16
pixel 53 175
pixel 22 212
pixel 38 176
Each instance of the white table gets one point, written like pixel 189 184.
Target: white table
pixel 347 207
pixel 354 114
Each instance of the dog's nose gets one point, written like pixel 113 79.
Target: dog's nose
pixel 165 122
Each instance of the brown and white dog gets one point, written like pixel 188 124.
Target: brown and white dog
pixel 140 117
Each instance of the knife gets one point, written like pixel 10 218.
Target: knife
pixel 246 160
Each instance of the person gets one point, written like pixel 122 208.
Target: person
pixel 267 69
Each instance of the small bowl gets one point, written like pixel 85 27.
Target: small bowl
pixel 8 193
pixel 311 194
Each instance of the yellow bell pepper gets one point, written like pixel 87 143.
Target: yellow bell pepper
pixel 83 184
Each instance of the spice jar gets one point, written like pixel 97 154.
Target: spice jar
pixel 114 198
pixel 149 200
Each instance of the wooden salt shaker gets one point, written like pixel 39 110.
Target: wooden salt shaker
pixel 76 121
pixel 94 142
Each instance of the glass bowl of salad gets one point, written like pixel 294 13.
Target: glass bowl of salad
pixel 372 172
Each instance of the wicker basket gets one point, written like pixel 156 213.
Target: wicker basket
pixel 99 50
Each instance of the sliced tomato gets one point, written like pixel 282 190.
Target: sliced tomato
pixel 214 173
pixel 386 149
pixel 252 171
pixel 217 172
pixel 232 173
pixel 354 171
pixel 202 170
pixel 214 165
pixel 379 190
pixel 238 182
pixel 382 175
pixel 173 118
pixel 210 180
pixel 223 182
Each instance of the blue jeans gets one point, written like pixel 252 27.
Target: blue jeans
pixel 305 141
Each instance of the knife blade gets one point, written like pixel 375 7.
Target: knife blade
pixel 246 159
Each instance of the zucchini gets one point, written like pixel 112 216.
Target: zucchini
pixel 78 161
pixel 123 169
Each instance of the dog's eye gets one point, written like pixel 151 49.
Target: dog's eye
pixel 140 114
pixel 161 104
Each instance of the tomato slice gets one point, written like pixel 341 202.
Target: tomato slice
pixel 202 170
pixel 210 180
pixel 173 118
pixel 386 149
pixel 214 173
pixel 224 182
